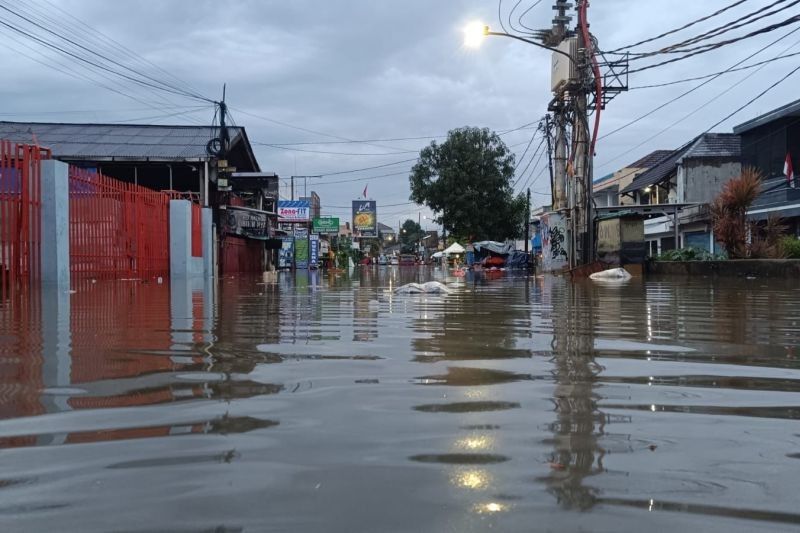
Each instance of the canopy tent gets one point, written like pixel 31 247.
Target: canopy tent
pixel 437 255
pixel 500 248
pixel 454 248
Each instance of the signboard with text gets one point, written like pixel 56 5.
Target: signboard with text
pixel 365 218
pixel 325 225
pixel 246 222
pixel 313 250
pixel 293 211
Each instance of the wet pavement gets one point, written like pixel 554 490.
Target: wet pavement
pixel 326 403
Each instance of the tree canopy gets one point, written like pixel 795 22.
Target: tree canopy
pixel 467 182
pixel 410 235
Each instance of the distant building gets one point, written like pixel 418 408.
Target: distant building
pixel 153 156
pixel 314 202
pixel 766 141
pixel 606 190
pixel 386 234
pixel 176 159
pixel 692 176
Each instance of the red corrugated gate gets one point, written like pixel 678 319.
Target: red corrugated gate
pixel 116 229
pixel 20 212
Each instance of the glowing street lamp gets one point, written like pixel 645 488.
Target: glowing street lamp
pixel 474 32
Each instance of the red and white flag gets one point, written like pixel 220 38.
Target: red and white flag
pixel 365 191
pixel 788 170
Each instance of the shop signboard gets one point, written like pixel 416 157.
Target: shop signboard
pixel 325 225
pixel 313 249
pixel 245 222
pixel 294 210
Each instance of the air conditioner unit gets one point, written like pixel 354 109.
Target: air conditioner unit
pixel 564 72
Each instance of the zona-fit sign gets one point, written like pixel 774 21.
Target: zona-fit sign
pixel 293 211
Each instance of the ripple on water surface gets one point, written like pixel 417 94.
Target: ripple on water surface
pixel 326 402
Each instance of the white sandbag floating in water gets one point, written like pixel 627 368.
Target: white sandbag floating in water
pixel 612 274
pixel 431 287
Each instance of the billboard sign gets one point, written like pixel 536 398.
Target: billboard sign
pixel 365 218
pixel 301 247
pixel 325 225
pixel 293 211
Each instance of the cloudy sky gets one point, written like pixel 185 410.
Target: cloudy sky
pixel 332 71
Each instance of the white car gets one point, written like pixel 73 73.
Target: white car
pixel 394 261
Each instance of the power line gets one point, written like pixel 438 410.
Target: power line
pixel 522 16
pixel 691 113
pixel 719 44
pixel 324 174
pixel 676 30
pixel 84 77
pixel 696 87
pixel 751 101
pixel 753 16
pixel 541 143
pixel 293 149
pixel 715 74
pixel 157 84
pixel 98 37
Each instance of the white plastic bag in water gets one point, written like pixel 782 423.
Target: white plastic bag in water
pixel 612 274
pixel 432 287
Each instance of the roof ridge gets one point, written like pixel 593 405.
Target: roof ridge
pixel 116 125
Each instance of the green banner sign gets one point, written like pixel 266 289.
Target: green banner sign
pixel 325 225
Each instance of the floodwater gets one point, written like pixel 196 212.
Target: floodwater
pixel 326 403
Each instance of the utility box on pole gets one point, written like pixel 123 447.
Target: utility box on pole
pixel 564 72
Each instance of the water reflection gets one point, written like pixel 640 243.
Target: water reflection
pixel 513 401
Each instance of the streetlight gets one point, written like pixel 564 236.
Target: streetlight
pixel 475 32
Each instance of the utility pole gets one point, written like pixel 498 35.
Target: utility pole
pixel 559 163
pixel 292 178
pixel 528 221
pixel 549 153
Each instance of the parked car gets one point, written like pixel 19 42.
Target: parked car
pixel 394 260
pixel 408 260
pixel 382 260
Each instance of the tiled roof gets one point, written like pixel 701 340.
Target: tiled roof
pixel 705 145
pixel 716 145
pixel 655 174
pixel 651 159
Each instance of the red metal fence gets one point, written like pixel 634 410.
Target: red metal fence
pixel 20 211
pixel 116 229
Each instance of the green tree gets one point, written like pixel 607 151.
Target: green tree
pixel 410 235
pixel 467 182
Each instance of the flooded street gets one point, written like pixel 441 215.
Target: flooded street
pixel 327 403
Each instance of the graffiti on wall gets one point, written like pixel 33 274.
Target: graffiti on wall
pixel 554 242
